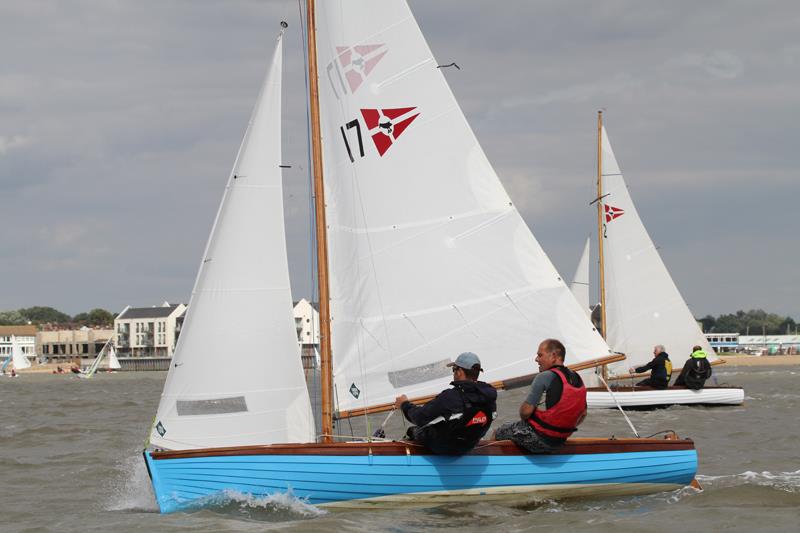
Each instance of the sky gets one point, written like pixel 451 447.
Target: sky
pixel 120 120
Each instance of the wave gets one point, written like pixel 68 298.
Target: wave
pixel 785 481
pixel 282 506
pixel 133 491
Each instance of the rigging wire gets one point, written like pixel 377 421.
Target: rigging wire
pixel 619 406
pixel 315 395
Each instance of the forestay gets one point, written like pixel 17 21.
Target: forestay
pixel 580 281
pixel 643 305
pixel 428 255
pixel 236 377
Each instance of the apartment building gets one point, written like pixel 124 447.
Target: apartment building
pixel 23 336
pixel 65 345
pixel 306 321
pixel 148 331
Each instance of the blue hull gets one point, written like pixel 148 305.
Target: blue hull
pixel 415 479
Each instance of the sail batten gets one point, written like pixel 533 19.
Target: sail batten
pixel 644 306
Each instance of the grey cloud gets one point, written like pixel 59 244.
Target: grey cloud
pixel 132 113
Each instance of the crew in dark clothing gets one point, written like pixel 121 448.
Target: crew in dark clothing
pixel 660 370
pixel 454 421
pixel 695 371
pixel 553 409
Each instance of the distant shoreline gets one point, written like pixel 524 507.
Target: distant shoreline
pixel 759 360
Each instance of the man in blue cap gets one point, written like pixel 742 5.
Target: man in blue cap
pixel 457 418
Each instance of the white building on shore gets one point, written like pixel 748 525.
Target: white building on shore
pixel 23 336
pixel 306 321
pixel 770 344
pixel 148 331
pixel 79 345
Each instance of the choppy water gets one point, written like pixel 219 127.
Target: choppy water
pixel 70 460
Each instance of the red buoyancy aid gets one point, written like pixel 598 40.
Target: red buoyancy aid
pixel 561 420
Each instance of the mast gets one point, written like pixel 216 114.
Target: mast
pixel 600 230
pixel 600 222
pixel 322 238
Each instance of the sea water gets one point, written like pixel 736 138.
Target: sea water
pixel 70 460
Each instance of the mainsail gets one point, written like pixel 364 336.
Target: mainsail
pixel 113 362
pixel 580 281
pixel 20 359
pixel 236 377
pixel 428 256
pixel 644 307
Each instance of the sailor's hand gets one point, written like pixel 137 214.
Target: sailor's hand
pixel 631 370
pixel 400 400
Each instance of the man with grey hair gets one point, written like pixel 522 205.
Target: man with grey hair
pixel 660 369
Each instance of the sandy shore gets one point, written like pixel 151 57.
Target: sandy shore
pixel 46 369
pixel 763 360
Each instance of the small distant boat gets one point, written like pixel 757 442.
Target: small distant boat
pixel 428 258
pixel 640 304
pixel 107 351
pixel 20 360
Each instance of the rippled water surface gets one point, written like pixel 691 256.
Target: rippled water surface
pixel 70 460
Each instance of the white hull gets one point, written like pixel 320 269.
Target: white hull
pixel 646 398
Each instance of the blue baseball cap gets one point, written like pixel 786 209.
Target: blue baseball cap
pixel 466 361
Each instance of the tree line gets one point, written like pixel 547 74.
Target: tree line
pixel 48 315
pixel 753 322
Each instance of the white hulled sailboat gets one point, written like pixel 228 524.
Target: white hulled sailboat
pixel 641 305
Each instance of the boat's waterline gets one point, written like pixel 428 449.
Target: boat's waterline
pixel 643 398
pixel 380 477
pixel 518 495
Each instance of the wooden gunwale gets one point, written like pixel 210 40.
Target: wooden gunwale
pixel 506 384
pixel 578 446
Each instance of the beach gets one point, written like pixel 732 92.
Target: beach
pixel 760 360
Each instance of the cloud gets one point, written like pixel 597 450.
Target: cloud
pixel 721 64
pixel 596 90
pixel 62 235
pixel 9 143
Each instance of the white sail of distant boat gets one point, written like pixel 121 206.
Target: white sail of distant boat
pixel 428 255
pixel 113 362
pixel 106 352
pixel 19 359
pixel 240 313
pixel 643 305
pixel 580 281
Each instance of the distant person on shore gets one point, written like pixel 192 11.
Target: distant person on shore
pixel 554 407
pixel 454 421
pixel 695 371
pixel 660 369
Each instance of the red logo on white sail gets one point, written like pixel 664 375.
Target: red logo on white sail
pixel 479 418
pixel 613 212
pixel 386 125
pixel 358 61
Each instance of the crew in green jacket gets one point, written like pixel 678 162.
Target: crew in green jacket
pixel 696 370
